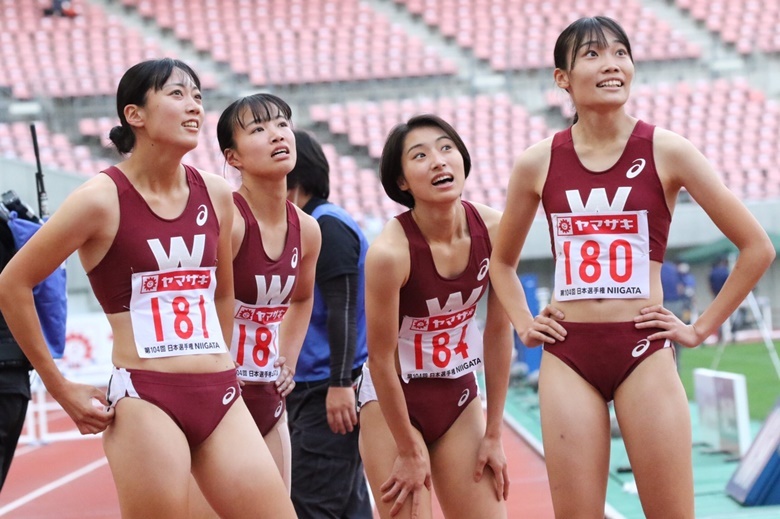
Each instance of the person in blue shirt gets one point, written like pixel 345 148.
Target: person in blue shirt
pixel 674 296
pixel 327 472
pixel 718 276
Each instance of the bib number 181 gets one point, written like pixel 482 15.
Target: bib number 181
pixel 182 323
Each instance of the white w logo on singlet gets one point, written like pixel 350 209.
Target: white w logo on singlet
pixel 454 302
pixel 597 200
pixel 273 294
pixel 180 256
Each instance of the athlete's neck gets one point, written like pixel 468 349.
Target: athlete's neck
pixel 266 198
pixel 155 176
pixel 593 129
pixel 441 224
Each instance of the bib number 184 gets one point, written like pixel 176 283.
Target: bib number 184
pixel 441 353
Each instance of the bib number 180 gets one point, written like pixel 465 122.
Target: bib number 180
pixel 590 268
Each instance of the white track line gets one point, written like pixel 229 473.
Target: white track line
pixel 53 486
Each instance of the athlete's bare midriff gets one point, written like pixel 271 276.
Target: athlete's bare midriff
pixel 125 355
pixel 612 310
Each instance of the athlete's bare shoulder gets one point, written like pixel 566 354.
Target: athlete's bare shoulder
pixel 221 194
pixel 216 184
pixel 311 235
pixel 391 238
pixel 532 164
pixel 97 197
pixel 489 215
pixel 90 214
pixel 306 219
pixel 678 161
pixel 388 254
pixel 664 140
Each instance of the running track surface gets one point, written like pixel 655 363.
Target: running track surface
pixel 70 479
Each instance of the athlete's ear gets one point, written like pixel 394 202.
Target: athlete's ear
pixel 134 115
pixel 561 79
pixel 230 157
pixel 402 185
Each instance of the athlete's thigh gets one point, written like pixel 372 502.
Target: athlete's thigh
pixel 576 438
pixel 453 462
pixel 278 442
pixel 199 507
pixel 236 472
pixel 654 419
pixel 379 452
pixel 150 460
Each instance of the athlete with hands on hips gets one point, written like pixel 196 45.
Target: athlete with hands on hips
pixel 608 185
pixel 275 250
pixel 154 237
pixel 421 422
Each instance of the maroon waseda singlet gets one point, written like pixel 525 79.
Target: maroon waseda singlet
pixel 604 208
pixel 427 293
pixel 439 342
pixel 145 242
pixel 258 279
pixel 632 184
pixel 263 289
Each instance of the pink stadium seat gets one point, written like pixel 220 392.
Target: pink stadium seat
pixel 746 25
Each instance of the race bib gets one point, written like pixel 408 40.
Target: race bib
pixel 255 346
pixel 173 313
pixel 601 255
pixel 444 346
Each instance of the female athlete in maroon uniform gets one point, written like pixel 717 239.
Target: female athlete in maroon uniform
pixel 275 249
pixel 608 185
pixel 420 421
pixel 154 235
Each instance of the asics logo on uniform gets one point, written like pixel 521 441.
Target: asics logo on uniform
pixel 483 269
pixel 229 395
pixel 636 169
pixel 278 410
pixel 294 260
pixel 203 215
pixel 640 348
pixel 463 397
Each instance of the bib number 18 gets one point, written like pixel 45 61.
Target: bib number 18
pixel 261 351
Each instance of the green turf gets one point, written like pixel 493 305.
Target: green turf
pixel 752 360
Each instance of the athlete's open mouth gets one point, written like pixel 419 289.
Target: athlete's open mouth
pixel 442 179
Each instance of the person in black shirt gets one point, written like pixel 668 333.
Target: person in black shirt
pixel 14 372
pixel 327 472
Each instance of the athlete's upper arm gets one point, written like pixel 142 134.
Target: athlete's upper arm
pixel 522 201
pixel 311 242
pixel 387 269
pixel 222 200
pixel 237 231
pixel 221 195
